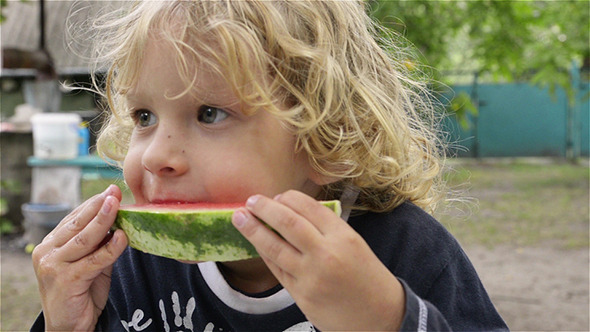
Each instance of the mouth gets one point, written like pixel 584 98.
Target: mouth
pixel 173 201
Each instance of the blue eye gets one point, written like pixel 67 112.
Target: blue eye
pixel 144 118
pixel 210 114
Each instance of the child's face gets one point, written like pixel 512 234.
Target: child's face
pixel 183 150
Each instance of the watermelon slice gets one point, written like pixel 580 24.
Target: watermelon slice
pixel 189 232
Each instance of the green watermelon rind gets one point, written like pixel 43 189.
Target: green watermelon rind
pixel 206 235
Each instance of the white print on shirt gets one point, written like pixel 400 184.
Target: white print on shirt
pixel 301 327
pixel 179 321
pixel 186 323
pixel 134 323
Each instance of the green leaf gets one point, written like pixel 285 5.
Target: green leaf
pixel 462 107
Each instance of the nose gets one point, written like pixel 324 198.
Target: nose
pixel 165 155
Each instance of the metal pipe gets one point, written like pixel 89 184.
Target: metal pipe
pixel 42 24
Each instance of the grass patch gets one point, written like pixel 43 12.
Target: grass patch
pixel 521 204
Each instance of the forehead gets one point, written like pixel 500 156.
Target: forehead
pixel 164 70
pixel 201 48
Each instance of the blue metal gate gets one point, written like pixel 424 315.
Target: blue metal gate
pixel 518 119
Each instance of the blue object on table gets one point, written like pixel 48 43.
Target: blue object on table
pixel 84 144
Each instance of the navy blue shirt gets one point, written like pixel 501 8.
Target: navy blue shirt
pixel 443 291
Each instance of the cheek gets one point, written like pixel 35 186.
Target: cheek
pixel 132 170
pixel 235 180
pixel 263 171
pixel 234 175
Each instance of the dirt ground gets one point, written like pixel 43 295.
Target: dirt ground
pixel 534 288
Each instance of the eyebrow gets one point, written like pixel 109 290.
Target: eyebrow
pixel 227 100
pixel 221 97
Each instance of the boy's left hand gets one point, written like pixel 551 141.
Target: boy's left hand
pixel 328 268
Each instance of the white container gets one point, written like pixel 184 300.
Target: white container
pixel 40 219
pixel 55 135
pixel 56 185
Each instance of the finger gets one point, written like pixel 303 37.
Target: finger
pixel 111 190
pixel 285 278
pixel 293 227
pixel 268 243
pixel 80 217
pixel 71 221
pixel 95 263
pixel 87 240
pixel 324 219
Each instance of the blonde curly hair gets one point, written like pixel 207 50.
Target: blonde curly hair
pixel 336 78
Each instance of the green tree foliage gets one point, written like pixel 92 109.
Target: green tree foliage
pixel 2 5
pixel 536 41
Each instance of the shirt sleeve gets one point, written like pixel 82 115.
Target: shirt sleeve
pixel 421 315
pixel 457 301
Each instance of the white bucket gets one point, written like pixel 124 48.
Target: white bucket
pixel 40 219
pixel 55 135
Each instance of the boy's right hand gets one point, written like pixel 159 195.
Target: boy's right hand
pixel 73 264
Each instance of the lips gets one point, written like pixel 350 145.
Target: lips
pixel 161 196
pixel 155 190
pixel 173 201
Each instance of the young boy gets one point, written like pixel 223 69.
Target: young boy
pixel 277 104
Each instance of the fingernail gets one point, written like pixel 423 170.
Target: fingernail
pixel 239 219
pixel 252 200
pixel 108 191
pixel 276 198
pixel 114 239
pixel 107 205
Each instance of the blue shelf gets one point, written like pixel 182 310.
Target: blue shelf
pixel 90 165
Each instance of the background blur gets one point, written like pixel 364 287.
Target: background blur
pixel 512 78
